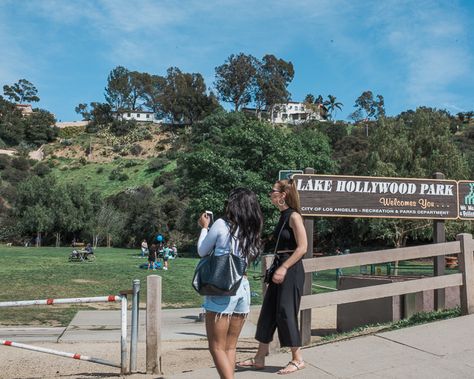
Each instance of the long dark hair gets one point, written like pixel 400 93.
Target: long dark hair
pixel 243 211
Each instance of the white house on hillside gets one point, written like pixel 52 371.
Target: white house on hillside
pixel 292 113
pixel 141 116
pixel 25 109
pixel 295 113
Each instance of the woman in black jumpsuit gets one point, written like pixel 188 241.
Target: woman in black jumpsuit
pixel 281 304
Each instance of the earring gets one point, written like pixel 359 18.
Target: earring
pixel 281 202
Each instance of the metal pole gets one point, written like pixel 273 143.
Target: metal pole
pixel 57 352
pixel 134 331
pixel 123 339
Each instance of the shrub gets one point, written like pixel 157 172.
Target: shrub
pixel 157 164
pixel 136 149
pixel 99 170
pixel 41 169
pixel 123 177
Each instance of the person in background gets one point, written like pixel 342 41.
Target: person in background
pixel 175 251
pixel 338 270
pixel 281 303
pixel 152 256
pixel 144 248
pixel 166 257
pixel 238 232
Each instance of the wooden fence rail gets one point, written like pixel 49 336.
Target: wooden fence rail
pixel 464 246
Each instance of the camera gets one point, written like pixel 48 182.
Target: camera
pixel 211 216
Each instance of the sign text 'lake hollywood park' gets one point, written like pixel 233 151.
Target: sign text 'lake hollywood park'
pixel 365 196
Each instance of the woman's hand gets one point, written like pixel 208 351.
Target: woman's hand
pixel 279 275
pixel 204 221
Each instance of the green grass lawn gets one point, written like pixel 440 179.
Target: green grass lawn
pixel 41 273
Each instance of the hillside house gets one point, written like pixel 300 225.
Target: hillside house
pixel 25 109
pixel 141 116
pixel 292 113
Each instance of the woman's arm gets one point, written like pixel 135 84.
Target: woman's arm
pixel 207 238
pixel 296 223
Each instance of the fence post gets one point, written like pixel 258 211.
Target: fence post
pixel 466 266
pixel 305 316
pixel 439 236
pixel 134 331
pixel 153 325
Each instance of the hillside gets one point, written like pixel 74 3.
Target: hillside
pixel 110 164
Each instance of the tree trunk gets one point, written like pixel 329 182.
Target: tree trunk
pixel 58 239
pixel 109 239
pixel 38 239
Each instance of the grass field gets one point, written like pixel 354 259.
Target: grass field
pixel 41 273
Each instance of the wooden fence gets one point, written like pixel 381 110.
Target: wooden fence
pixel 463 246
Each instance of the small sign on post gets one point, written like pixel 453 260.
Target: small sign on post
pixel 287 174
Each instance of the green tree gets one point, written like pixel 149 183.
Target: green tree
pixel 184 97
pixel 40 127
pixel 12 130
pixel 273 77
pixel 235 80
pixel 332 105
pixel 22 91
pixel 119 89
pixel 231 150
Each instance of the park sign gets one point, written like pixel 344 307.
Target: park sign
pixel 365 196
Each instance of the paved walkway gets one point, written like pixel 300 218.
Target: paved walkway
pixel 443 349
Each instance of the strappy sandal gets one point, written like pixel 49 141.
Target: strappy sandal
pixel 250 364
pixel 291 367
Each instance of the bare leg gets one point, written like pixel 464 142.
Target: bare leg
pixel 217 329
pixel 236 323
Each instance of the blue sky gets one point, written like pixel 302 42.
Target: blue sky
pixel 414 53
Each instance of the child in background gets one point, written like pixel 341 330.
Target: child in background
pixel 152 257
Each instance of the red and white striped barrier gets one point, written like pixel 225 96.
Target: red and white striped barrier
pixel 99 299
pixel 25 303
pixel 56 352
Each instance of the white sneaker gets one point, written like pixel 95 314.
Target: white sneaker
pixel 165 268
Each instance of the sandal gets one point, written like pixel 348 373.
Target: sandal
pixel 250 363
pixel 291 367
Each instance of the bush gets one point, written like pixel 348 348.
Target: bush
pixel 4 161
pixel 136 150
pixel 99 170
pixel 130 163
pixel 41 169
pixel 157 164
pixel 123 177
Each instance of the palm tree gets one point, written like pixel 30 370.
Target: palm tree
pixel 332 105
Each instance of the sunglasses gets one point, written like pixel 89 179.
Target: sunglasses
pixel 274 190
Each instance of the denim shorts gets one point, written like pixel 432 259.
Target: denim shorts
pixel 239 303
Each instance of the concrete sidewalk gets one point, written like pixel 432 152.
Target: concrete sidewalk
pixel 443 349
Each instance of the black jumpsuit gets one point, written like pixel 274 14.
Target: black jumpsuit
pixel 282 301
